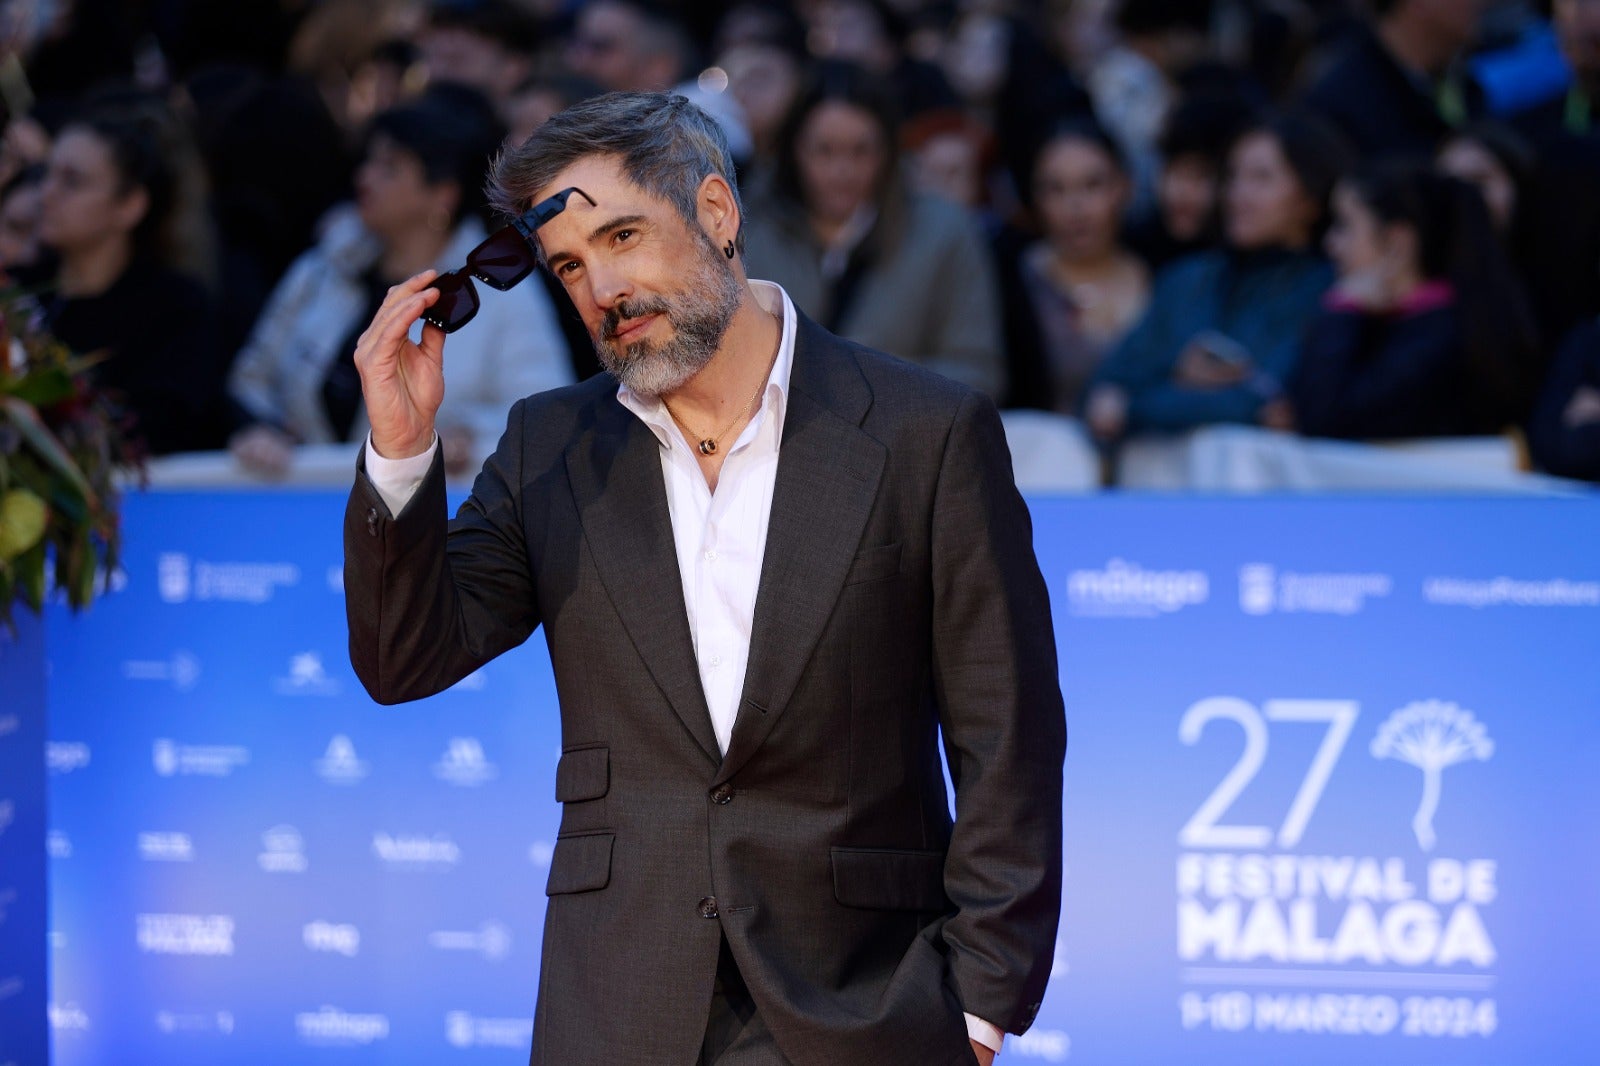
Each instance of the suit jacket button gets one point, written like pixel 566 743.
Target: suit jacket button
pixel 708 907
pixel 723 793
pixel 372 521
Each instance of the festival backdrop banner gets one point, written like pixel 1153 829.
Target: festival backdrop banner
pixel 1330 796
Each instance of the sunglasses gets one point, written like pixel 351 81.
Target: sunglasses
pixel 501 261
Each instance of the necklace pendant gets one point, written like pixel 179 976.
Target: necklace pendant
pixel 708 447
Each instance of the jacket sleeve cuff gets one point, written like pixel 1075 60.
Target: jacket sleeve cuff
pixel 397 479
pixel 988 1035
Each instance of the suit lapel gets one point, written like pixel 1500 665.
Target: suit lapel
pixel 827 480
pixel 615 471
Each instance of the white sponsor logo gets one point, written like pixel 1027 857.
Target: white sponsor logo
pixel 65 756
pixel 166 847
pixel 339 764
pixel 492 939
pixel 1051 1045
pixel 1128 590
pixel 463 763
pixel 185 934
pixel 9 723
pixel 1509 592
pixel 68 1017
pixel 333 1026
pixel 416 852
pixel 540 852
pixel 171 758
pixel 180 579
pixel 464 1030
pixel 282 851
pixel 1431 735
pixel 306 677
pixel 182 671
pixel 58 844
pixel 336 579
pixel 332 938
pixel 1263 590
pixel 175 1022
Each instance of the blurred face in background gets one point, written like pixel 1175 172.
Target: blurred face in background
pixel 764 80
pixel 1469 160
pixel 1187 193
pixel 1265 205
pixel 19 227
pixel 1080 193
pixel 842 153
pixel 1578 26
pixel 82 202
pixel 1355 240
pixel 1454 22
pixel 950 165
pixel 394 195
pixel 456 55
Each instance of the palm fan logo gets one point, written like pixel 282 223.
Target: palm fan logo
pixel 1431 735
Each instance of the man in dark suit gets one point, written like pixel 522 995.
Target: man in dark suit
pixel 770 566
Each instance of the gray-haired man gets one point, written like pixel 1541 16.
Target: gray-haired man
pixel 770 565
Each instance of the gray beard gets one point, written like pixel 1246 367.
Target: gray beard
pixel 699 316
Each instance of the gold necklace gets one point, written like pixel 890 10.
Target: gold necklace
pixel 708 445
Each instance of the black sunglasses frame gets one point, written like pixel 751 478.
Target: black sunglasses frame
pixel 457 284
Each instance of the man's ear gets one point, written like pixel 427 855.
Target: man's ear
pixel 719 211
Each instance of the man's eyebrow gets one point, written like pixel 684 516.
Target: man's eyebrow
pixel 600 231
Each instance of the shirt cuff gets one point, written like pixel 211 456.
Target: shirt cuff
pixel 397 480
pixel 988 1035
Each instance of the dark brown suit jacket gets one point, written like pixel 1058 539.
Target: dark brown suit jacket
pixel 899 594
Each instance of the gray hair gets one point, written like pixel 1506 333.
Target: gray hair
pixel 666 146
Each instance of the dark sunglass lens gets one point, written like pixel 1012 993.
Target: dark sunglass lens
pixel 502 260
pixel 457 302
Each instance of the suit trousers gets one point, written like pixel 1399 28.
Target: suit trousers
pixel 735 1033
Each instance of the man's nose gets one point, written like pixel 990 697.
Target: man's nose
pixel 608 286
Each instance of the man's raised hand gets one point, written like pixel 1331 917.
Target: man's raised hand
pixel 402 381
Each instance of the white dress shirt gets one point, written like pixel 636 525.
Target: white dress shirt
pixel 721 536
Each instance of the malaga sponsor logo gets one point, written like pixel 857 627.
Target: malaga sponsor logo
pixel 1129 590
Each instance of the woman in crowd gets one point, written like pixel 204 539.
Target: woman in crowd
pixel 862 253
pixel 19 221
pixel 1423 335
pixel 418 202
pixel 1223 329
pixel 1077 290
pixel 126 230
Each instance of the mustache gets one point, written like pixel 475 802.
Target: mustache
pixel 629 310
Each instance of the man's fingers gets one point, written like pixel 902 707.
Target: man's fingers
pixel 386 336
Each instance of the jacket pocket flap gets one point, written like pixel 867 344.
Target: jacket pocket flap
pixel 584 774
pixel 889 879
pixel 872 564
pixel 580 864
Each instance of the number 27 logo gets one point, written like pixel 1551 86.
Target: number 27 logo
pixel 1202 830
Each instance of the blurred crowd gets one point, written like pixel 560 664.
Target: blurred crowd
pixel 1360 219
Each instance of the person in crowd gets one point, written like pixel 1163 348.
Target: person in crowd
pixel 539 97
pixel 766 68
pixel 948 154
pixel 1077 290
pixel 1398 87
pixel 639 46
pixel 1223 329
pixel 126 229
pixel 1563 217
pixel 487 44
pixel 1564 433
pixel 862 253
pixel 19 221
pixel 1194 151
pixel 1134 83
pixel 419 198
pixel 872 34
pixel 1424 333
pixel 357 54
pixel 1496 161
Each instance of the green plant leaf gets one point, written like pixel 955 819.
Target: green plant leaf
pixel 43 387
pixel 23 520
pixel 29 571
pixel 37 435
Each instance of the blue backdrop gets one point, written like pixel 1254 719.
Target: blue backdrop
pixel 1330 796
